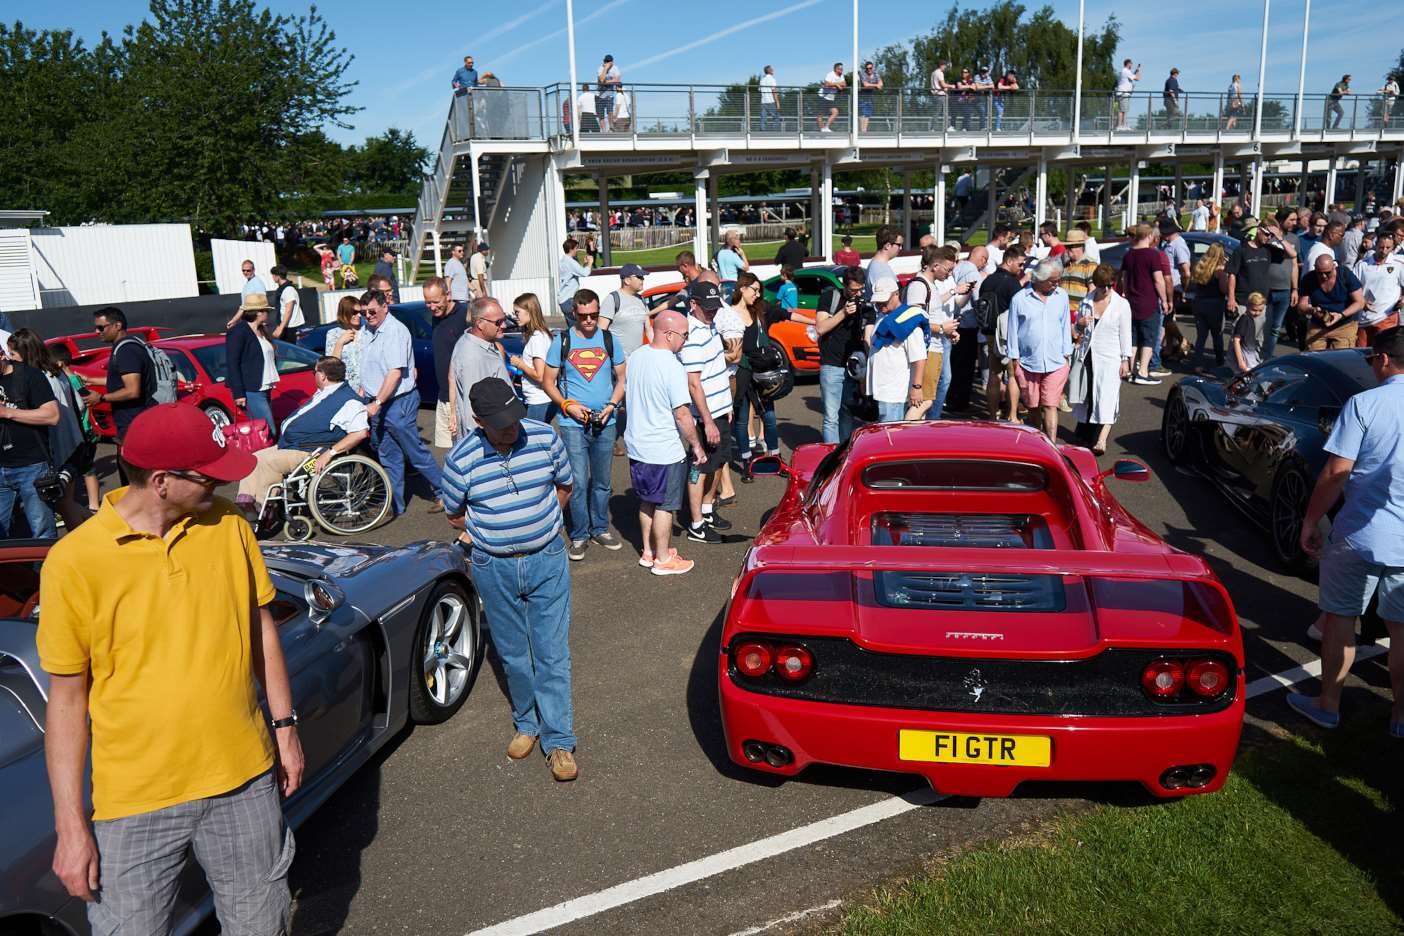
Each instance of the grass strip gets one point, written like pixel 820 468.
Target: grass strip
pixel 1304 838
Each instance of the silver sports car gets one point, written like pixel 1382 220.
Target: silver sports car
pixel 375 638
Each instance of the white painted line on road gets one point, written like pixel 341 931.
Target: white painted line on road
pixel 788 918
pixel 1307 671
pixel 712 865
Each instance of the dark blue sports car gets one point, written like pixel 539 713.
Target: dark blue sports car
pixel 416 317
pixel 1259 436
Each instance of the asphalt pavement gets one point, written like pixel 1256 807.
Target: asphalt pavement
pixel 443 834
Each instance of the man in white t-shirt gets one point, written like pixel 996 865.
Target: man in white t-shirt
pixel 1125 84
pixel 477 271
pixel 660 419
pixel 289 305
pixel 585 110
pixel 1382 275
pixel 457 275
pixel 939 87
pixel 828 97
pixel 769 100
pixel 896 353
pixel 1199 217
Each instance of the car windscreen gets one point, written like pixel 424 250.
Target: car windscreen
pixel 211 358
pixel 291 359
pixel 955 474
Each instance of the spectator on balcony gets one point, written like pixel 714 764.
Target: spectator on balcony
pixel 1171 97
pixel 1389 93
pixel 466 78
pixel 869 83
pixel 1125 85
pixel 769 99
pixel 834 83
pixel 608 85
pixel 1233 102
pixel 1333 103
pixel 1006 86
pixel 585 108
pixel 940 89
pixel 984 91
pixel 966 102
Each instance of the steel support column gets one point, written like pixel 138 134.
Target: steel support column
pixel 1302 182
pixel 606 231
pixel 1041 192
pixel 1359 185
pixel 991 200
pixel 938 196
pixel 1070 196
pixel 1259 168
pixel 1133 194
pixel 1218 194
pixel 826 183
pixel 1331 182
pixel 1107 200
pixel 699 203
pixel 713 218
pixel 1398 187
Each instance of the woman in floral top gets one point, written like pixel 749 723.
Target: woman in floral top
pixel 345 340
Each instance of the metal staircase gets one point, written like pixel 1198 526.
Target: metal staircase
pixel 448 211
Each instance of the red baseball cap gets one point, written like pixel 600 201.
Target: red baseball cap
pixel 180 437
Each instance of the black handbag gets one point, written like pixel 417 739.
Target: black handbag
pixel 771 376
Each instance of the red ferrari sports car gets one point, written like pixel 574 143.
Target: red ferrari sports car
pixel 970 603
pixel 200 366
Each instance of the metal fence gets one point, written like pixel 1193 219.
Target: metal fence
pixel 716 111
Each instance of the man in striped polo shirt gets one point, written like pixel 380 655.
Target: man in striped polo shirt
pixel 704 360
pixel 505 485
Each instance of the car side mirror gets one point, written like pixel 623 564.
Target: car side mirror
pixel 770 465
pixel 322 599
pixel 1127 469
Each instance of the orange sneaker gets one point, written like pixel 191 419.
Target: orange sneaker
pixel 647 559
pixel 673 565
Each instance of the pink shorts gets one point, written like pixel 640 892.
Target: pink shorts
pixel 1041 389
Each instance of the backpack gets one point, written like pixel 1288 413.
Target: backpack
pixel 771 376
pixel 164 371
pixel 565 353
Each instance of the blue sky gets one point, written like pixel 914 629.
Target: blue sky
pixel 404 70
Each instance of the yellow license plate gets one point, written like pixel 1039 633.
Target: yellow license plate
pixel 948 747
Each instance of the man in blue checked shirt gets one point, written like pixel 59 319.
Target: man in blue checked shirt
pixel 1040 341
pixel 505 486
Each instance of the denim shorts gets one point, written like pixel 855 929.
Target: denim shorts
pixel 865 106
pixel 1145 332
pixel 1348 580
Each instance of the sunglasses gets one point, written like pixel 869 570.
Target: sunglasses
pixel 495 322
pixel 587 315
pixel 195 478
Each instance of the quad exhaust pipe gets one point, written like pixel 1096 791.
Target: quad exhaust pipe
pixel 776 755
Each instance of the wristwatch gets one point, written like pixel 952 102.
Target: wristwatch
pixel 288 722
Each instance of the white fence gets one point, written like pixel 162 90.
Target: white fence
pixel 229 256
pixel 100 263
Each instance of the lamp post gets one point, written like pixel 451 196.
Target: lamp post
pixel 1301 74
pixel 570 92
pixel 1077 82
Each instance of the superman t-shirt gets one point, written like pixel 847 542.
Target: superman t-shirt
pixel 589 374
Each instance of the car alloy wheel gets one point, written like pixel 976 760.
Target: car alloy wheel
pixel 1175 429
pixel 216 415
pixel 448 653
pixel 1290 492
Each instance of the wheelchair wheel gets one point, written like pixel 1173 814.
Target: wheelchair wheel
pixel 299 529
pixel 349 496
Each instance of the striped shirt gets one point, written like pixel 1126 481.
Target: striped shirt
pixel 703 354
pixel 508 502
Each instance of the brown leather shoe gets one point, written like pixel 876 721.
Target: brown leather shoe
pixel 563 767
pixel 521 745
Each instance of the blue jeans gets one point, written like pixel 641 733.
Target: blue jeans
pixel 542 412
pixel 943 385
pixel 1159 319
pixel 1278 301
pixel 591 456
pixel 770 116
pixel 833 390
pixel 395 435
pixel 257 406
pixel 741 425
pixel 526 600
pixel 892 412
pixel 19 483
pixel 568 310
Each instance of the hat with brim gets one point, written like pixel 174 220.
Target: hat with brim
pixel 255 302
pixel 1075 238
pixel 494 403
pixel 180 437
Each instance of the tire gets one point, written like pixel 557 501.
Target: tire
pixel 447 651
pixel 350 496
pixel 1176 430
pixel 1287 504
pixel 217 415
pixel 298 529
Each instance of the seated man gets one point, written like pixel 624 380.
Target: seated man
pixel 334 420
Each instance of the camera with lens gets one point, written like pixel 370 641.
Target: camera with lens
pixel 596 422
pixel 51 485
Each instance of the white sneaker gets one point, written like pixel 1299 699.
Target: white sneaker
pixel 1314 632
pixel 825 130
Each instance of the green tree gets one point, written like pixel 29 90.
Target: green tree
pixel 392 162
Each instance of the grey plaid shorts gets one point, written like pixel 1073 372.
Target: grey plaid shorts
pixel 238 838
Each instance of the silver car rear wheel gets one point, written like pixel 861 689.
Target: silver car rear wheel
pixel 448 652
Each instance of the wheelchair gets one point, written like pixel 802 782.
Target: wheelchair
pixel 351 495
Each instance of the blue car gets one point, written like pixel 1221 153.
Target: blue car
pixel 416 317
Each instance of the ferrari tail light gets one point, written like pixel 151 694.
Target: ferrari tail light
pixel 753 658
pixel 793 663
pixel 1163 679
pixel 1207 679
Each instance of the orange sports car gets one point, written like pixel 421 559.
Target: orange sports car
pixel 800 340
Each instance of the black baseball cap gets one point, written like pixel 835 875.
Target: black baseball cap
pixel 631 269
pixel 495 404
pixel 1169 226
pixel 705 294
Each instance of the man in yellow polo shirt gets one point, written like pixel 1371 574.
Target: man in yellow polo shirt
pixel 154 624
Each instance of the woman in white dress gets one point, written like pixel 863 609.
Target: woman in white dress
pixel 1101 360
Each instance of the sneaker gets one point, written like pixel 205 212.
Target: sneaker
pixel 702 533
pixel 673 565
pixel 1145 381
pixel 1307 707
pixel 562 764
pixel 521 745
pixel 725 501
pixel 716 521
pixel 576 550
pixel 608 540
pixel 647 559
pixel 1314 632
pixel 1160 372
pixel 825 130
pixel 1063 407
